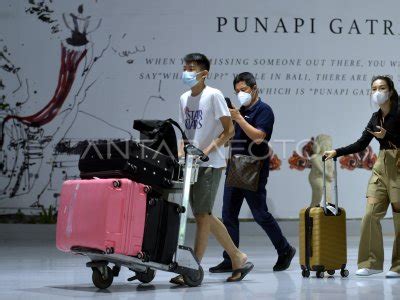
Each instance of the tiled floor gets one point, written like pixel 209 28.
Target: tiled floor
pixel 37 270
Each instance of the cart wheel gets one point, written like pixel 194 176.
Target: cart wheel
pixel 331 272
pixel 344 273
pixel 320 274
pixel 305 273
pixel 146 277
pixel 197 280
pixel 100 281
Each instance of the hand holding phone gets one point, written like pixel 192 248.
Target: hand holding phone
pixel 370 130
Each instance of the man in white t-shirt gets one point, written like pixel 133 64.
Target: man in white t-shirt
pixel 206 119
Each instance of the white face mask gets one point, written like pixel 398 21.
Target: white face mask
pixel 189 78
pixel 244 98
pixel 380 97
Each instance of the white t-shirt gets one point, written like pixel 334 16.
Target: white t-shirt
pixel 200 118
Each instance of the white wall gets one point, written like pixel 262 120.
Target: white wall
pixel 115 92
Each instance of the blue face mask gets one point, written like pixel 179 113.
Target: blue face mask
pixel 189 78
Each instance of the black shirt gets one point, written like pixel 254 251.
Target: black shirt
pixel 392 138
pixel 260 116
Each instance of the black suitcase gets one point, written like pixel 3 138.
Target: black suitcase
pixel 161 230
pixel 130 160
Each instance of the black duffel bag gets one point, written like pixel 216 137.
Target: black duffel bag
pixel 160 135
pixel 128 159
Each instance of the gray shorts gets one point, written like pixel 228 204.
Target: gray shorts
pixel 204 191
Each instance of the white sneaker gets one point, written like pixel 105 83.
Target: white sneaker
pixel 392 274
pixel 367 272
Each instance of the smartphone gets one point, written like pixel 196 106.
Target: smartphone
pixel 373 129
pixel 229 103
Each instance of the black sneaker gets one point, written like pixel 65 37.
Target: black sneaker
pixel 284 260
pixel 223 267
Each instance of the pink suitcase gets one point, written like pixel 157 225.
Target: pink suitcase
pixel 104 214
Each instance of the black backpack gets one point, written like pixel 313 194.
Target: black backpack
pixel 160 135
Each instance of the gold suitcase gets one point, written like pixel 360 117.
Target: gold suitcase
pixel 322 235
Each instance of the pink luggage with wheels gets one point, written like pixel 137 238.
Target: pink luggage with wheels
pixel 102 214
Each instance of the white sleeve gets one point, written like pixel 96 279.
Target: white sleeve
pixel 220 107
pixel 181 117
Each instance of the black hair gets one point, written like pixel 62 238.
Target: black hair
pixel 389 82
pixel 247 77
pixel 200 59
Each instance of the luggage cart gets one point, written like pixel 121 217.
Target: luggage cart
pixel 184 261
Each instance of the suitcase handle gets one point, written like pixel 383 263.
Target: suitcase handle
pixel 335 186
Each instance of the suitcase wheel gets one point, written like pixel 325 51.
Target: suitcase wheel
pixel 102 280
pixel 116 269
pixel 110 250
pixel 305 273
pixel 146 189
pixel 320 274
pixel 181 209
pixel 344 273
pixel 172 266
pixel 331 272
pixel 116 183
pixel 143 257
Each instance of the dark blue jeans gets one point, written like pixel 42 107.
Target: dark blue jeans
pixel 257 201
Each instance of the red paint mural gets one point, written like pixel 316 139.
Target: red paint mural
pixel 302 162
pixel 70 60
pixel 362 160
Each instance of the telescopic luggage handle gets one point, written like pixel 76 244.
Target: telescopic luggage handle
pixel 335 187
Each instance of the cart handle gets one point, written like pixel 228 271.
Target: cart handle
pixel 192 150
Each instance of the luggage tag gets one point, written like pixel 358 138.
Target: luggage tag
pixel 329 207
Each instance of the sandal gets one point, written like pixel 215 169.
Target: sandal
pixel 178 280
pixel 243 271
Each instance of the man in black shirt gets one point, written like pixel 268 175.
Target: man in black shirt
pixel 253 129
